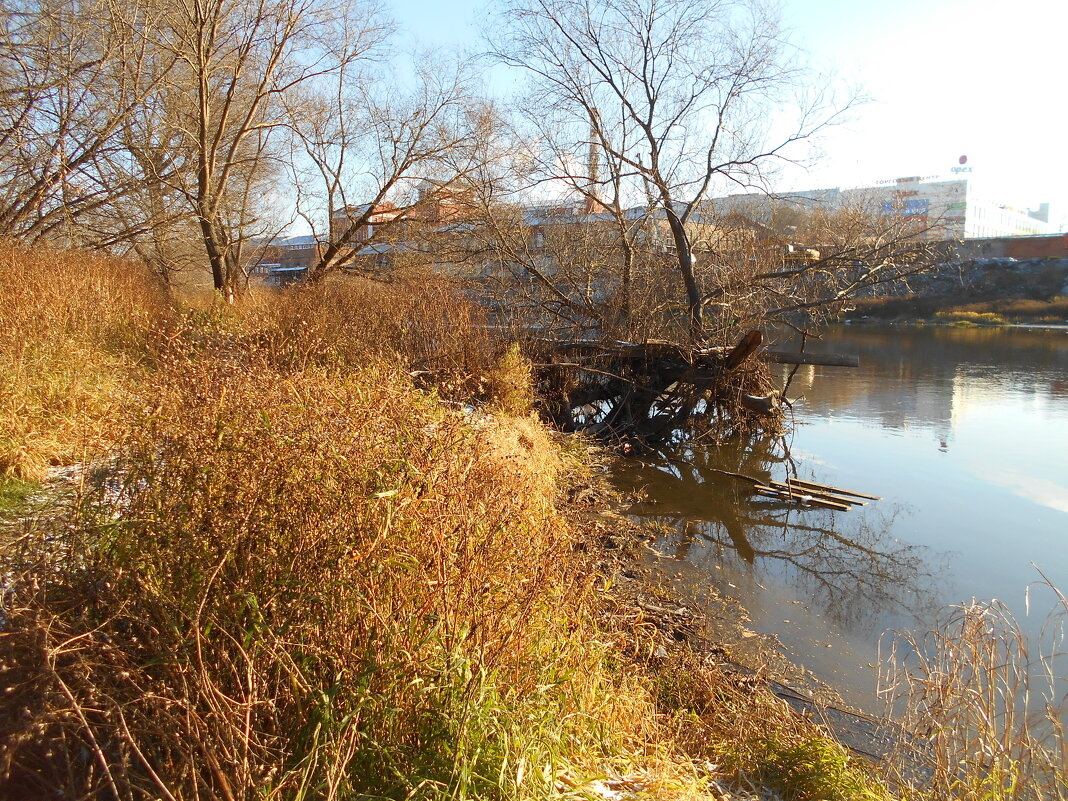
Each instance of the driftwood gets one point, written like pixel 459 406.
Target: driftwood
pixel 727 358
pixel 743 350
pixel 827 487
pixel 766 405
pixel 824 359
pixel 804 500
pixel 805 493
pixel 792 487
pixel 645 391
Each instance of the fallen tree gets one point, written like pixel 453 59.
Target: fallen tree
pixel 644 394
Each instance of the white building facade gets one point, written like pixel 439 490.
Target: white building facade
pixel 950 209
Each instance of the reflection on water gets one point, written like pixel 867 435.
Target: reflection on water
pixel 846 571
pixel 961 431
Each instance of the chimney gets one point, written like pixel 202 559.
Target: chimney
pixel 593 164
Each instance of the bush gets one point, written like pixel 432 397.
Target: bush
pixel 309 586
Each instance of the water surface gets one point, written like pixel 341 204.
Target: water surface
pixel 964 435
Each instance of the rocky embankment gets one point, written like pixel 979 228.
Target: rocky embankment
pixel 1005 277
pixel 980 290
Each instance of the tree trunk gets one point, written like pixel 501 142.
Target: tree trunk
pixel 222 272
pixel 689 279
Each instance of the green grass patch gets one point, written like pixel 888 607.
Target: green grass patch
pixel 963 316
pixel 818 769
pixel 14 492
pixel 979 311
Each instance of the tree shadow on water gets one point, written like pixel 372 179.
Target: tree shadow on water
pixel 847 566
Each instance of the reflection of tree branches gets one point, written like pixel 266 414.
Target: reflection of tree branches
pixel 848 565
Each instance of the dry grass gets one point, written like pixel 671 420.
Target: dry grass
pixel 426 326
pixel 72 331
pixel 298 575
pixel 1022 309
pixel 510 387
pixel 984 708
pixel 304 587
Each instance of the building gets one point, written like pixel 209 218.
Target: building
pixel 441 202
pixel 285 261
pixel 373 218
pixel 955 209
pixel 384 232
pixel 952 209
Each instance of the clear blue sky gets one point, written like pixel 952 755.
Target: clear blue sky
pixel 983 78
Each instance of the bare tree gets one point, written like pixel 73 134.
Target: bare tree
pixel 364 144
pixel 793 260
pixel 237 61
pixel 682 97
pixel 72 72
pixel 560 266
pixel 145 127
pixel 558 249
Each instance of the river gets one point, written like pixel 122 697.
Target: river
pixel 962 432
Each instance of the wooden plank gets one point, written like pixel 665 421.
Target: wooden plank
pixel 818 493
pixel 743 476
pixel 822 359
pixel 810 500
pixel 812 485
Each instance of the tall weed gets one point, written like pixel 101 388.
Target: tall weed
pixel 983 708
pixel 73 327
pixel 309 586
pixel 427 326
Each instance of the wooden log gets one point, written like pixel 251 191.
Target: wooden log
pixel 743 350
pixel 798 482
pixel 821 359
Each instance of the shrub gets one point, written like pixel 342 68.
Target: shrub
pixel 510 384
pixel 308 585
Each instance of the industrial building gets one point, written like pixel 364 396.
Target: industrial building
pixel 950 209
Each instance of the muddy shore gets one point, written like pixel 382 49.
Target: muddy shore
pixel 681 625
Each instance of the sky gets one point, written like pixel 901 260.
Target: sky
pixel 985 79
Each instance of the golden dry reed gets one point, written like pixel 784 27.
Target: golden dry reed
pixel 70 331
pixel 983 707
pixel 294 564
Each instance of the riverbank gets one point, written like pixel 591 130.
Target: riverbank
pixel 246 555
pixel 961 432
pixel 962 310
pixel 980 291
